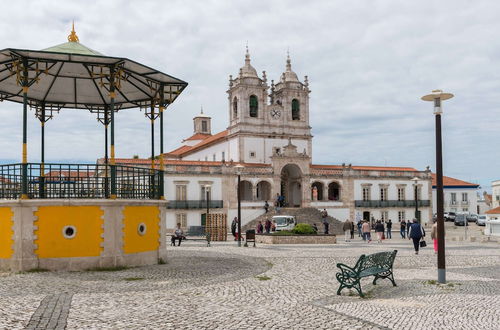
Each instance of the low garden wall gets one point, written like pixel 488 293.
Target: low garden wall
pixel 295 239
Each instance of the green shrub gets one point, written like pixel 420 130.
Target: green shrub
pixel 303 229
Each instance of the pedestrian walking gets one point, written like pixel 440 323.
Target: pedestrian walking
pixel 408 224
pixel 324 220
pixel 234 224
pixel 360 233
pixel 266 206
pixel 346 227
pixel 379 229
pixel 260 228
pixel 267 226
pixel 352 229
pixel 402 229
pixel 416 233
pixel 434 236
pixel 389 229
pixel 365 228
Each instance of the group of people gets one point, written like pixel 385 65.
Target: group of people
pixel 266 227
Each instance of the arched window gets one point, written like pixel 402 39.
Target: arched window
pixel 254 106
pixel 295 109
pixel 246 191
pixel 317 191
pixel 235 107
pixel 334 191
pixel 263 191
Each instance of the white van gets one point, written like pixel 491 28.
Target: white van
pixel 284 222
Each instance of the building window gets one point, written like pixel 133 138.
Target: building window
pixel 204 126
pixel 453 198
pixel 419 193
pixel 464 197
pixel 366 194
pixel 182 219
pixel 383 194
pixel 334 191
pixel 465 209
pixel 401 215
pixel 295 109
pixel 223 157
pixel 401 194
pixel 206 158
pixel 235 107
pixel 180 192
pixel 213 157
pixel 254 106
pixel 384 215
pixel 252 154
pixel 204 191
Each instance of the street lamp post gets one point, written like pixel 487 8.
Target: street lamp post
pixel 437 96
pixel 415 185
pixel 207 192
pixel 239 169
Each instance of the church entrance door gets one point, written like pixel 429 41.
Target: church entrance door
pixel 291 185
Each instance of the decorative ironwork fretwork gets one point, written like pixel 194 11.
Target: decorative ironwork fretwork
pixel 34 68
pixel 45 111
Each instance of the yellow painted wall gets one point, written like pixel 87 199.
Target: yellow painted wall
pixel 133 242
pixel 6 232
pixel 52 219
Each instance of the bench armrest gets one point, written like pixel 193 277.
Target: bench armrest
pixel 347 271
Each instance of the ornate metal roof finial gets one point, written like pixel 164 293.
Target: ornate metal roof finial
pixel 72 36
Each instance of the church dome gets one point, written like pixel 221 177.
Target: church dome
pixel 289 75
pixel 248 70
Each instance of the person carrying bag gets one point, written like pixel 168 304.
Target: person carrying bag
pixel 416 233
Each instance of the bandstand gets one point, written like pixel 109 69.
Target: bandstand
pixel 82 216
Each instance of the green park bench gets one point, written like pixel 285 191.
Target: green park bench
pixel 377 264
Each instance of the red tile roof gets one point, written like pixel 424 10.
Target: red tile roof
pixel 493 211
pixel 68 174
pixel 367 168
pixel 447 181
pixel 207 141
pixel 198 136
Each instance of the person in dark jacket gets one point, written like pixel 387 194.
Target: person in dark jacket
pixel 402 229
pixel 379 229
pixel 388 226
pixel 267 226
pixel 416 233
pixel 233 227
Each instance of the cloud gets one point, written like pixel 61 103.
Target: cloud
pixel 368 63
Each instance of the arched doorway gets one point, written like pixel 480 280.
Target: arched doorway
pixel 263 191
pixel 291 185
pixel 317 191
pixel 334 191
pixel 246 191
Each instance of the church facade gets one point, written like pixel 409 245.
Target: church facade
pixel 269 135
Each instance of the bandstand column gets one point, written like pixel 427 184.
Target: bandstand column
pixel 24 172
pixel 42 152
pixel 112 138
pixel 152 135
pixel 162 165
pixel 106 154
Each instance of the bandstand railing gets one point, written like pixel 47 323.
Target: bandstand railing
pixel 80 181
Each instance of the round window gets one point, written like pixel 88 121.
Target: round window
pixel 141 229
pixel 69 231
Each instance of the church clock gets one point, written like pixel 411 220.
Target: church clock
pixel 275 113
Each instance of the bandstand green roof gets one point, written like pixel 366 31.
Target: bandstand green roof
pixel 71 75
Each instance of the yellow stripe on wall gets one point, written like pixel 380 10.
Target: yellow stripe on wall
pixel 6 232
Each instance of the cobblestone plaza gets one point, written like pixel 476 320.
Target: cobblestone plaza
pixel 268 287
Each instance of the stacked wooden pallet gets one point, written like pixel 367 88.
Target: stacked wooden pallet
pixel 216 226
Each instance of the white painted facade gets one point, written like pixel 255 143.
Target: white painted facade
pixel 459 199
pixel 495 194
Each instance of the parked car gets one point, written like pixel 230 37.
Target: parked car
pixel 449 216
pixel 460 219
pixel 481 220
pixel 472 217
pixel 284 222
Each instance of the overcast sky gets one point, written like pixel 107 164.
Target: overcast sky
pixel 368 63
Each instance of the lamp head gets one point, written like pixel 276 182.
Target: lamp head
pixel 415 180
pixel 437 96
pixel 239 169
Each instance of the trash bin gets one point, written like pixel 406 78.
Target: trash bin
pixel 250 237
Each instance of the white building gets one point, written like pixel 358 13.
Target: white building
pixel 459 196
pixel 269 134
pixel 495 194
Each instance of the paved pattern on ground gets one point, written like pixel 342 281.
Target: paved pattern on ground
pixel 268 287
pixel 52 312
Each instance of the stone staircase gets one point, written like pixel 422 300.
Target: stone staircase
pixel 308 215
